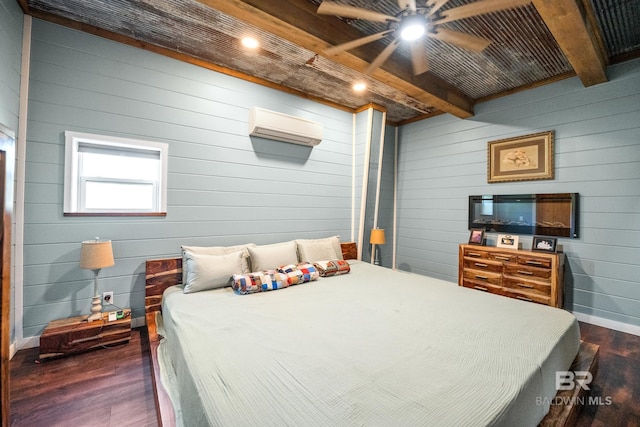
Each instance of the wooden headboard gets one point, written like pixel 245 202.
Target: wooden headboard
pixel 165 272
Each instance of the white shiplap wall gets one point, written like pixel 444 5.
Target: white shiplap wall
pixel 224 187
pixel 597 147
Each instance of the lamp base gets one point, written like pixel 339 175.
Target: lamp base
pixel 96 309
pixel 376 255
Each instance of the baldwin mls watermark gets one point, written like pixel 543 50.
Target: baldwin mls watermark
pixel 569 380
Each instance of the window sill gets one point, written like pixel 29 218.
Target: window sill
pixel 115 214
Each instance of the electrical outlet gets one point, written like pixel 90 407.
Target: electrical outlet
pixel 107 298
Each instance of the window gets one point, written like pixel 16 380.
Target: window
pixel 107 175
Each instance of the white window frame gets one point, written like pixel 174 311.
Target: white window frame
pixel 74 184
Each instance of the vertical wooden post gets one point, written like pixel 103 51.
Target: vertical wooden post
pixel 5 294
pixel 7 168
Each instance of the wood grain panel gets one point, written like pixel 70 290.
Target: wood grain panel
pixel 160 274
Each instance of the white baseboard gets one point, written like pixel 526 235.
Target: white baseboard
pixel 32 342
pixel 12 350
pixel 24 343
pixel 606 323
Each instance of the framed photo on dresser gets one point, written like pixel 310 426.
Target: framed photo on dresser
pixel 507 241
pixel 477 236
pixel 544 244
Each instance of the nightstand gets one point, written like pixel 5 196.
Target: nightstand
pixel 74 334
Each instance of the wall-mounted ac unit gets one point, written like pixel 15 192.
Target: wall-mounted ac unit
pixel 282 127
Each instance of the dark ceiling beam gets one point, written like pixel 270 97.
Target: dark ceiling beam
pixel 297 22
pixel 576 35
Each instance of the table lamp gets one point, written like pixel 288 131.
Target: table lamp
pixel 377 238
pixel 94 255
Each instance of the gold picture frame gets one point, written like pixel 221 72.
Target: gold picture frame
pixel 523 158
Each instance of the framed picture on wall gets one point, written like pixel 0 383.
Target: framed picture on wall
pixel 523 158
pixel 508 241
pixel 544 244
pixel 477 236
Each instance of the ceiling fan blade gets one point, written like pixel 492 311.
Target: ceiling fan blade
pixel 384 55
pixel 411 4
pixel 435 5
pixel 357 42
pixel 419 57
pixel 463 40
pixel 479 8
pixel 346 11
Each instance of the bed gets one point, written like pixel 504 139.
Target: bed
pixel 371 347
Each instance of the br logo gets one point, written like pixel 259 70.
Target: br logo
pixel 567 380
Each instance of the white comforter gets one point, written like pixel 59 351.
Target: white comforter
pixel 374 347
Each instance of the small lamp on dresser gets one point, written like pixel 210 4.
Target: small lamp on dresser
pixel 95 255
pixel 377 238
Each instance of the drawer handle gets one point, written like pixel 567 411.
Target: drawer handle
pixel 481 288
pixel 524 298
pixel 481 277
pixel 474 254
pixel 523 285
pixel 534 263
pixel 526 273
pixel 479 264
pixel 503 258
pixel 81 340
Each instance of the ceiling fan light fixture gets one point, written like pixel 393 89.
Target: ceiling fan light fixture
pixel 413 27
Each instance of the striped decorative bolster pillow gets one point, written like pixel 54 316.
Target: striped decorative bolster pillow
pixel 332 267
pixel 299 273
pixel 260 281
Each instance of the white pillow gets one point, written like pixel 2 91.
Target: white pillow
pixel 312 250
pixel 218 250
pixel 210 271
pixel 270 257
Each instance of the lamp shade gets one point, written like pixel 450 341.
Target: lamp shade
pixel 96 254
pixel 377 236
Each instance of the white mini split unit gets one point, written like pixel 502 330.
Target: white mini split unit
pixel 282 127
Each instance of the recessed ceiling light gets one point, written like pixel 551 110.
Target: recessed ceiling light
pixel 250 42
pixel 359 86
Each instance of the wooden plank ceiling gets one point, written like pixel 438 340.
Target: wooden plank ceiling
pixel 537 43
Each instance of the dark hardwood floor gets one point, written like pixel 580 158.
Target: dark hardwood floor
pixel 106 387
pixel 112 387
pixel 618 379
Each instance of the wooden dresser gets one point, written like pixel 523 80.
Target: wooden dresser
pixel 529 276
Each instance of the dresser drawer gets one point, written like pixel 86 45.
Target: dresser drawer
pixel 503 257
pixel 534 261
pixel 482 286
pixel 523 271
pixel 526 296
pixel 529 286
pixel 482 264
pixel 483 276
pixel 475 253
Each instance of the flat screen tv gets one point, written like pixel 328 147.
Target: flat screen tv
pixel 554 214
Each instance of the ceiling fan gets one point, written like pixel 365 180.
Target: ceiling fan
pixel 413 23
